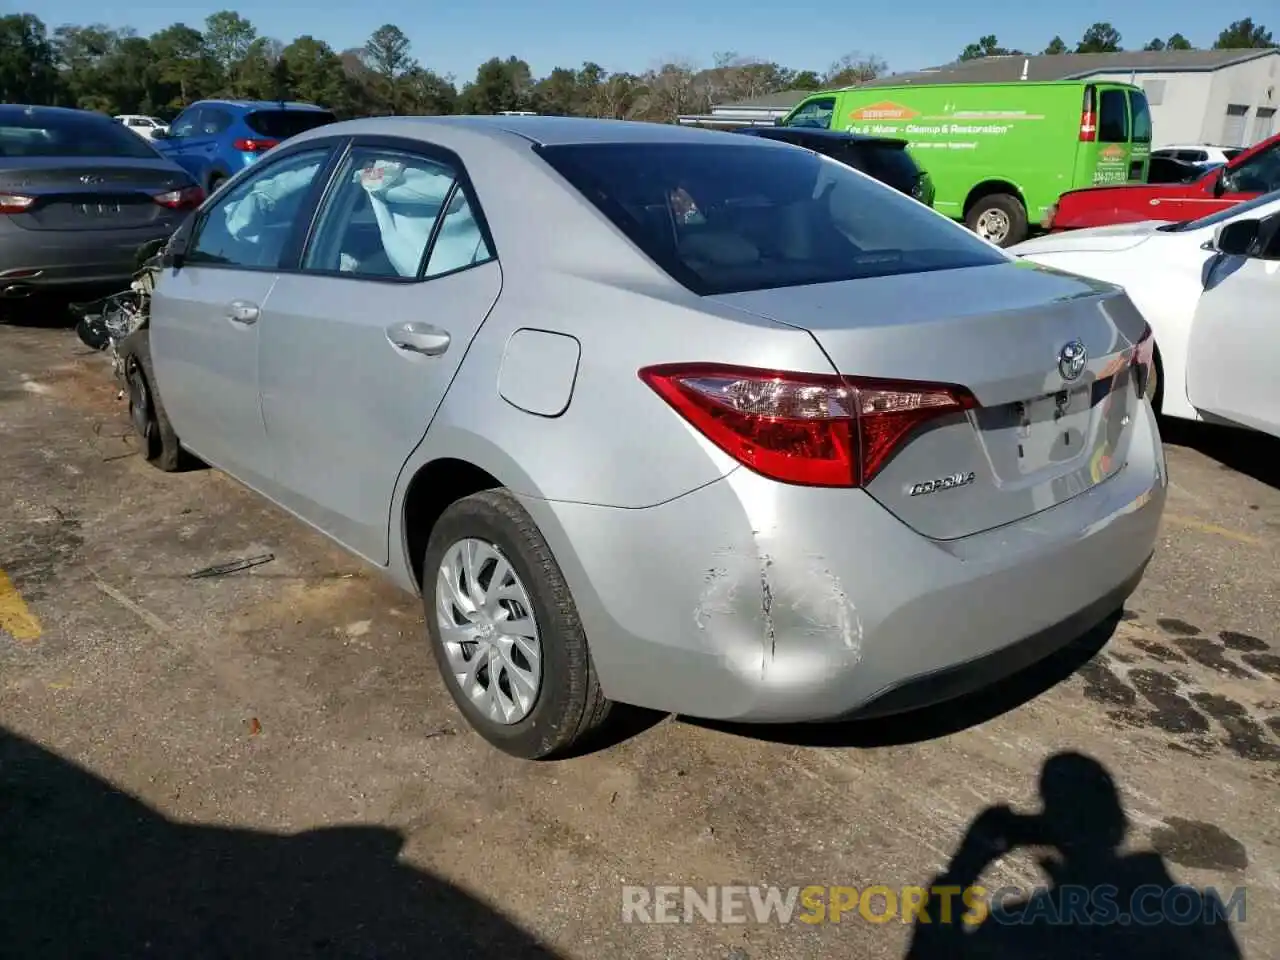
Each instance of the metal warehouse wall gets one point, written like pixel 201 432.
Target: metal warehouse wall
pixel 1191 106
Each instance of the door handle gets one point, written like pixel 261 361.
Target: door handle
pixel 418 338
pixel 242 311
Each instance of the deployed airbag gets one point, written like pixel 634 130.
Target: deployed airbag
pixel 405 202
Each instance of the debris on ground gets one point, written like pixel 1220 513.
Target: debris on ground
pixel 103 323
pixel 232 566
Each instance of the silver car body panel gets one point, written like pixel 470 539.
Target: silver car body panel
pixel 703 587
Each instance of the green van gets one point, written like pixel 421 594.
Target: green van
pixel 999 154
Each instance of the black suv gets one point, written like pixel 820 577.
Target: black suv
pixel 884 158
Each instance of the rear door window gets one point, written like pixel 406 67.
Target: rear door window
pixel 728 218
pixel 815 113
pixel 214 120
pixel 283 124
pixel 1113 122
pixel 387 209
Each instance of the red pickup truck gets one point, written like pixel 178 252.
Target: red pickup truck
pixel 1255 171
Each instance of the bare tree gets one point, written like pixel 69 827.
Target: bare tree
pixel 854 68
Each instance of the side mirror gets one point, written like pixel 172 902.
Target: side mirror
pixel 159 133
pixel 175 250
pixel 1236 239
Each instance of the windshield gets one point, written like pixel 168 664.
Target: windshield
pixel 283 124
pixel 46 134
pixel 728 218
pixel 1213 219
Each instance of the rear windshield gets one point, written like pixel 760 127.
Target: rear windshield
pixel 42 134
pixel 283 124
pixel 723 218
pixel 889 163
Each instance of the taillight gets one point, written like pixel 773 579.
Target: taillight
pixel 15 203
pixel 254 144
pixel 184 199
pixel 1088 121
pixel 1144 362
pixel 803 428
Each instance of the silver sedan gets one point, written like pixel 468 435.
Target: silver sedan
pixel 670 417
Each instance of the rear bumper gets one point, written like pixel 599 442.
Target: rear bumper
pixel 948 683
pixel 38 259
pixel 754 601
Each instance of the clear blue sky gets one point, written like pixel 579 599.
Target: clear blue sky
pixel 454 37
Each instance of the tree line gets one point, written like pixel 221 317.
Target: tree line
pixel 114 70
pixel 1104 38
pixel 97 67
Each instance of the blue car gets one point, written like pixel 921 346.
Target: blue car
pixel 215 139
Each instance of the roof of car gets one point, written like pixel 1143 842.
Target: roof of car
pixel 260 104
pixel 13 109
pixel 544 131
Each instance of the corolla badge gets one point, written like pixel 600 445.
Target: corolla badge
pixel 1071 360
pixel 90 178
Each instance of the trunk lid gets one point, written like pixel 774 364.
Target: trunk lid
pixel 1038 438
pixel 101 193
pixel 1120 236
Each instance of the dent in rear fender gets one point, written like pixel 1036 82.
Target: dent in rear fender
pixel 713 625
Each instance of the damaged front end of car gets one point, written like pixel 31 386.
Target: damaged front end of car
pixel 102 324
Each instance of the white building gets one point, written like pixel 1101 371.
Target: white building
pixel 1223 97
pixel 762 111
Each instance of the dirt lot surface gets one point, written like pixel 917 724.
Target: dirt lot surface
pixel 267 764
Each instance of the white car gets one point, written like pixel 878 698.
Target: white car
pixel 1210 290
pixel 142 125
pixel 1198 153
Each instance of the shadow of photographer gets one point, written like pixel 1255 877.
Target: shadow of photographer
pixel 88 871
pixel 1099 903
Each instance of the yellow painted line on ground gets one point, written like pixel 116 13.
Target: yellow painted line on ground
pixel 15 618
pixel 1213 529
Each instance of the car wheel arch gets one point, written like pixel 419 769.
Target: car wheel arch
pixel 993 186
pixel 450 464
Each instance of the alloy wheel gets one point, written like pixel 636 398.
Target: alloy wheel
pixel 488 630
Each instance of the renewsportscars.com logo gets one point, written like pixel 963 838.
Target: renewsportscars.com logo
pixel 1063 905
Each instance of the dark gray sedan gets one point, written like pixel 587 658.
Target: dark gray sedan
pixel 79 194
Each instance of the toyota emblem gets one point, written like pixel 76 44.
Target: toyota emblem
pixel 1071 360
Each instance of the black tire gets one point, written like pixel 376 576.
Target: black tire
pixel 1012 209
pixel 146 410
pixel 569 705
pixel 215 181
